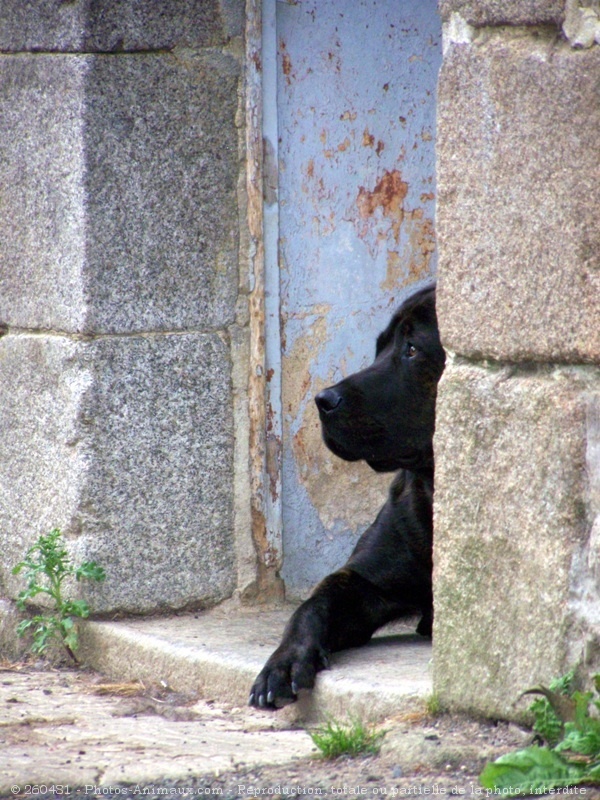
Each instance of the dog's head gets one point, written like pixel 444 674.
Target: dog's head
pixel 385 414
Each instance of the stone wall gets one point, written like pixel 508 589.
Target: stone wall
pixel 517 509
pixel 120 170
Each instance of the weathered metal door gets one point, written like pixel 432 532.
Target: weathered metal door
pixel 353 136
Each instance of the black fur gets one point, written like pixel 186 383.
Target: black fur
pixel 384 414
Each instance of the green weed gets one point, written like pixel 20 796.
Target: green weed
pixel 433 705
pixel 336 739
pixel 548 723
pixel 47 565
pixel 568 721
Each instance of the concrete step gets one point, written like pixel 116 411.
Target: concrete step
pixel 218 653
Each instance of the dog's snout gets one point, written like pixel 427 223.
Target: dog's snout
pixel 328 400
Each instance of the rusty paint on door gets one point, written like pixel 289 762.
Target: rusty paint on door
pixel 356 200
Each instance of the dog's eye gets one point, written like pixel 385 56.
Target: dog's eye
pixel 411 350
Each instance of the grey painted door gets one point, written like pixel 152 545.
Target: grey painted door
pixel 355 120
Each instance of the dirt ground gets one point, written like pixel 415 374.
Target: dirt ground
pixel 66 733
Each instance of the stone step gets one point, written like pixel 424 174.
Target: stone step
pixel 218 653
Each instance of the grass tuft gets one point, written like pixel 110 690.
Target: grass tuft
pixel 433 705
pixel 335 739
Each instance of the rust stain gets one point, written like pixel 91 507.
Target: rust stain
pixel 310 168
pixel 323 225
pixel 344 145
pixel 287 67
pixel 274 464
pixel 413 263
pixel 380 147
pixel 334 59
pixel 422 245
pixel 256 60
pixel 268 587
pixel 348 116
pixel 368 139
pixel 394 271
pixel 388 196
pixel 427 196
pixel 286 62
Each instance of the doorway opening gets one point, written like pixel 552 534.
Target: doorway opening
pixel 349 94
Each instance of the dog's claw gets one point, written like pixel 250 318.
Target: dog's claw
pixel 294 687
pixel 270 698
pixel 261 700
pixel 251 699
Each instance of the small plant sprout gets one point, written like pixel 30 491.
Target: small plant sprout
pixel 433 705
pixel 352 739
pixel 47 566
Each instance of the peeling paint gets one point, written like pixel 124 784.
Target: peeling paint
pixel 357 203
pixel 358 489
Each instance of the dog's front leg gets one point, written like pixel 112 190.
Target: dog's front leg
pixel 343 611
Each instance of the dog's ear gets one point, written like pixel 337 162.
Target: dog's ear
pixel 399 324
pixel 384 338
pixel 422 303
pixel 387 336
pixel 406 327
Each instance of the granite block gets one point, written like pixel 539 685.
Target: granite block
pixel 518 192
pixel 119 206
pixel 117 25
pixel 161 180
pixel 517 509
pixel 125 444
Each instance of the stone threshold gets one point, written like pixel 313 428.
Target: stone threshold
pixel 216 654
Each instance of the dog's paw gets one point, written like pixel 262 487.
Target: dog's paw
pixel 288 671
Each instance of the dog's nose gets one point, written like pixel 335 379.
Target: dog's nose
pixel 328 400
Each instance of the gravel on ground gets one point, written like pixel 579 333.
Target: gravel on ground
pixel 71 733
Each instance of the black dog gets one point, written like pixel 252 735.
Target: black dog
pixel 384 414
